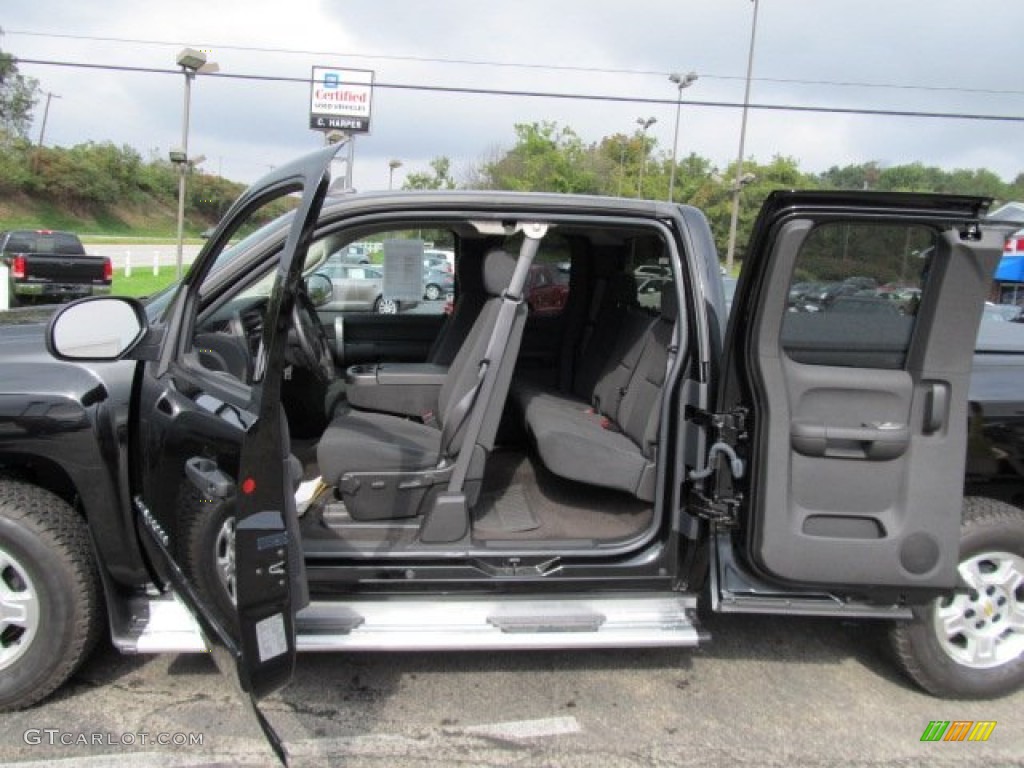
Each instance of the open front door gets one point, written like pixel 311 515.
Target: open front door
pixel 213 480
pixel 849 353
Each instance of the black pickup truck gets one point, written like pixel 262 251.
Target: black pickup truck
pixel 47 266
pixel 231 467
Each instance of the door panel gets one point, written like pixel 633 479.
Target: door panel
pixel 212 476
pixel 854 365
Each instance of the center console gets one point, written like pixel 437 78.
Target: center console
pixel 407 389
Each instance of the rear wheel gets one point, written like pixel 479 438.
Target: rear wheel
pixel 50 604
pixel 433 292
pixel 970 645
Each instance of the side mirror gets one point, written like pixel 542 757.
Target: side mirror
pixel 102 329
pixel 319 288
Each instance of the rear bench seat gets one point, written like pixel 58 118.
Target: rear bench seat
pixel 609 439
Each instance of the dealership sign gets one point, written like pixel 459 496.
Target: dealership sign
pixel 339 100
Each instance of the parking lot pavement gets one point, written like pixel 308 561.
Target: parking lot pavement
pixel 765 691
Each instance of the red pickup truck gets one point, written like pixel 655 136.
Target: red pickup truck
pixel 48 266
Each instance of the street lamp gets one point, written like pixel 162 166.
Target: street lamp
pixel 392 165
pixel 734 219
pixel 191 61
pixel 681 81
pixel 644 125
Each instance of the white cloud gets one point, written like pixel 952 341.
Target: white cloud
pixel 243 127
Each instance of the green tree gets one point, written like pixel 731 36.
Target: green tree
pixel 545 158
pixel 18 96
pixel 440 178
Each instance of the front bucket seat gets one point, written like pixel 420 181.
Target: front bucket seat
pixel 387 466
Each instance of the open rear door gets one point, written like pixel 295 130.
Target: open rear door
pixel 848 355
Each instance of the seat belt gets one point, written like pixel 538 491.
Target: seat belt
pixel 595 310
pixel 475 402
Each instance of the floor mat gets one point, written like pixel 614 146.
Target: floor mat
pixel 507 511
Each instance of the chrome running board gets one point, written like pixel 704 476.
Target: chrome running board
pixel 162 624
pixel 499 622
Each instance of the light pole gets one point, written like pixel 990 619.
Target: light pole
pixel 734 219
pixel 392 165
pixel 46 113
pixel 644 125
pixel 681 81
pixel 191 61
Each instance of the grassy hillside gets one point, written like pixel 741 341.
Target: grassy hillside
pixel 104 189
pixel 151 218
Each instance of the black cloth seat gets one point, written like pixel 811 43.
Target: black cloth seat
pixel 364 442
pixel 611 442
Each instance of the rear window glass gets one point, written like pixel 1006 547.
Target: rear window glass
pixel 854 294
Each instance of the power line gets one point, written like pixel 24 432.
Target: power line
pixel 521 65
pixel 767 107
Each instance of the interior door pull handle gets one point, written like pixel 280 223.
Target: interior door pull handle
pixel 936 407
pixel 874 441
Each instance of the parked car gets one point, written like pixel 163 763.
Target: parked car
pixel 359 288
pixel 437 284
pixel 356 253
pixel 649 289
pixel 437 264
pixel 864 305
pixel 649 460
pixel 547 289
pixel 652 270
pixel 440 254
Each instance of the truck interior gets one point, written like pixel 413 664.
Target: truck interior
pixel 567 450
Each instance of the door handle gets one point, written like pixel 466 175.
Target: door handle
pixel 873 441
pixel 207 477
pixel 936 407
pixel 339 339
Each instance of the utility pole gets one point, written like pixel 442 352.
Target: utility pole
pixel 46 113
pixel 738 185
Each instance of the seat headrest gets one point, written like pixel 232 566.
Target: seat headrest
pixel 498 268
pixel 669 303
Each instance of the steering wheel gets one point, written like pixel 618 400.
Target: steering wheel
pixel 312 346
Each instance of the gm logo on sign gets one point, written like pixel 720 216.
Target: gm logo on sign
pixel 331 80
pixel 958 730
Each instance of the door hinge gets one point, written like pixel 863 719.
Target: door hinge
pixel 726 432
pixel 729 427
pixel 717 501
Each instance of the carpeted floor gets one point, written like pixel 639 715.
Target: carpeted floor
pixel 520 501
pixel 519 489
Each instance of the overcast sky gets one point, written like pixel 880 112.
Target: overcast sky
pixel 960 57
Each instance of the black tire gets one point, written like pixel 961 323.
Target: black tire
pixel 203 534
pixel 384 306
pixel 46 560
pixel 950 667
pixel 432 292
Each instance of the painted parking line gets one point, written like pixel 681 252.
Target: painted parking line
pixel 527 729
